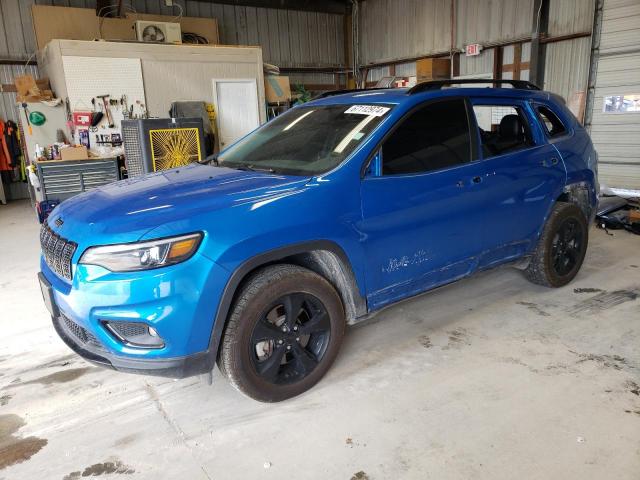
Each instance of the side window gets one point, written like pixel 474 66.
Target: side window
pixel 503 129
pixel 551 122
pixel 434 137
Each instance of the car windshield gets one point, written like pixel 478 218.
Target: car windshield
pixel 305 140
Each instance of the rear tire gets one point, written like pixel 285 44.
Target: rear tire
pixel 561 248
pixel 283 334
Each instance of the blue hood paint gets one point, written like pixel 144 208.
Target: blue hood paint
pixel 124 211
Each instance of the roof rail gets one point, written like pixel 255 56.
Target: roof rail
pixel 331 93
pixel 438 84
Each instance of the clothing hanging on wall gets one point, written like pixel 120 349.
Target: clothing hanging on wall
pixel 5 156
pixel 11 136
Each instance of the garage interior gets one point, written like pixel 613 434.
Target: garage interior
pixel 489 377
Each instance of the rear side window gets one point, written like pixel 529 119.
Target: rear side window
pixel 552 124
pixel 503 129
pixel 434 137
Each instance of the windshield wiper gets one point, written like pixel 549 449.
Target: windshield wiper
pixel 213 158
pixel 253 168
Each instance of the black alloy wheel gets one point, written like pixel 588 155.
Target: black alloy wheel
pixel 290 338
pixel 284 331
pixel 561 249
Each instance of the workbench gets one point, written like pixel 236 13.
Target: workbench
pixel 62 179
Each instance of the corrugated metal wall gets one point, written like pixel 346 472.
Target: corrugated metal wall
pixel 16 29
pixel 402 29
pixel 402 70
pixel 567 62
pixel 397 29
pixel 567 66
pixel 477 65
pixel 617 135
pixel 492 21
pixel 570 16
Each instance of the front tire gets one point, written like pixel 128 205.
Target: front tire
pixel 283 334
pixel 561 248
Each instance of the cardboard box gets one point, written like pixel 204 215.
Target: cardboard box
pixel 433 69
pixel 277 89
pixel 74 153
pixel 30 90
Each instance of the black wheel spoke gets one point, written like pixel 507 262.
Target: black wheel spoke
pixel 572 257
pixel 319 322
pixel 557 263
pixel 270 368
pixel 265 330
pixel 292 306
pixel 304 360
pixel 569 231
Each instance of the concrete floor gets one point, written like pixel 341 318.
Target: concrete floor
pixel 492 377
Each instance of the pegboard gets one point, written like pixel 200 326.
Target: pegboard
pixel 88 77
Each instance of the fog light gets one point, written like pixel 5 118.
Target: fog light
pixel 135 334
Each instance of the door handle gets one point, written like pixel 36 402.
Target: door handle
pixel 476 180
pixel 549 163
pixel 460 184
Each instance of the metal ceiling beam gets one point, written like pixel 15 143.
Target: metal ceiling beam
pixel 326 6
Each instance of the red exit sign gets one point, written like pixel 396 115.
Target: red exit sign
pixel 473 49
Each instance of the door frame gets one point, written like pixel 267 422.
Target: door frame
pixel 471 119
pixel 215 82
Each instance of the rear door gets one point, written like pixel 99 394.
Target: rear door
pixel 524 176
pixel 422 203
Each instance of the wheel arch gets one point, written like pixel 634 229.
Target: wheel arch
pixel 324 257
pixel 580 195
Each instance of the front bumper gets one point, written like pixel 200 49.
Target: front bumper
pixel 180 303
pixel 86 345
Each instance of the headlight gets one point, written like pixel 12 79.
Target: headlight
pixel 130 257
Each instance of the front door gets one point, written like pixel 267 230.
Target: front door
pixel 422 204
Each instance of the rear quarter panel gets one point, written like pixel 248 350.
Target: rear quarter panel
pixel 578 154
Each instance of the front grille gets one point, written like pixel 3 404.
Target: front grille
pixel 82 334
pixel 129 329
pixel 135 334
pixel 57 251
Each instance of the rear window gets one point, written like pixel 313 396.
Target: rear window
pixel 550 121
pixel 503 129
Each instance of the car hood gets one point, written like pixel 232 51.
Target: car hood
pixel 124 211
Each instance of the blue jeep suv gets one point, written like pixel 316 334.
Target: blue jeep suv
pixel 259 257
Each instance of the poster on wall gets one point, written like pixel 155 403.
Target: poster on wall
pixel 621 104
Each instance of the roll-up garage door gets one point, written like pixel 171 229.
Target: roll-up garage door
pixel 615 124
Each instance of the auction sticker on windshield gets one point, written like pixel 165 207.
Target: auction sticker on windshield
pixel 373 110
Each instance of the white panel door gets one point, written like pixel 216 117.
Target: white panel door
pixel 237 110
